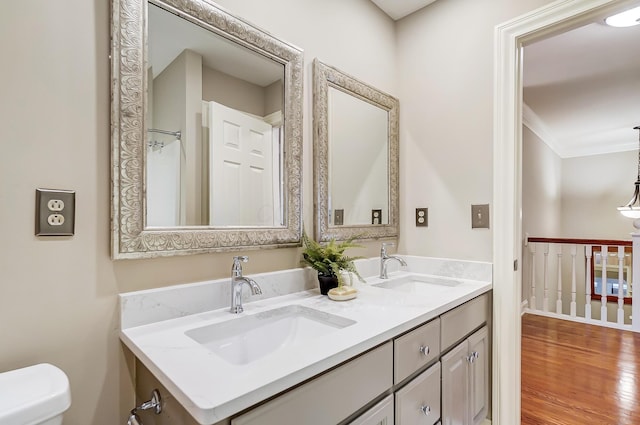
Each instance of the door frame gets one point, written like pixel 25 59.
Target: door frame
pixel 509 38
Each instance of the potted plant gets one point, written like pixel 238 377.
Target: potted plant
pixel 330 261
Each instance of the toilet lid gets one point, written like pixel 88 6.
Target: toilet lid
pixel 32 394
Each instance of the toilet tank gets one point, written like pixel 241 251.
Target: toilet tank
pixel 34 395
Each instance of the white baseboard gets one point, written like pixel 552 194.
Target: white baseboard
pixel 523 306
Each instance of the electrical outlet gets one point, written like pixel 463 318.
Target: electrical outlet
pixel 480 216
pixel 376 216
pixel 422 217
pixel 55 212
pixel 55 205
pixel 55 220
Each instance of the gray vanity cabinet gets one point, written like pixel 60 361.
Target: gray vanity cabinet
pixel 465 381
pixel 404 381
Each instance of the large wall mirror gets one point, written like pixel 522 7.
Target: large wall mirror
pixel 206 131
pixel 355 157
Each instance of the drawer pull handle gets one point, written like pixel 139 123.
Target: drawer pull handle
pixel 473 357
pixel 426 410
pixel 424 350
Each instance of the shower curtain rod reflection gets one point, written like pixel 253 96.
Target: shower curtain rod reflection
pixel 176 134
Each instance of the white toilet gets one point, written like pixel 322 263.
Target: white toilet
pixel 34 395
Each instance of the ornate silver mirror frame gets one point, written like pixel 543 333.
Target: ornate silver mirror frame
pixel 130 236
pixel 324 77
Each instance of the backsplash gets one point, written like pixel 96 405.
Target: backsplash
pixel 154 305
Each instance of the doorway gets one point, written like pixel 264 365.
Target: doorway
pixel 507 186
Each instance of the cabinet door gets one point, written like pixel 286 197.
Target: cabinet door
pixel 455 386
pixel 418 402
pixel 479 375
pixel 380 414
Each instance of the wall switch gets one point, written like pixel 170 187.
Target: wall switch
pixel 338 217
pixel 55 212
pixel 422 217
pixel 480 216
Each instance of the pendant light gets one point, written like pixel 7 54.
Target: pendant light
pixel 632 209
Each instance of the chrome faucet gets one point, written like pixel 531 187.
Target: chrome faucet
pixel 384 258
pixel 236 284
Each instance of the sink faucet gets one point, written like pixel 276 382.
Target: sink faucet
pixel 384 258
pixel 236 284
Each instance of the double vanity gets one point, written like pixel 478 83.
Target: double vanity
pixel 412 348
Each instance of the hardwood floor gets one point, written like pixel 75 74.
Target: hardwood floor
pixel 579 374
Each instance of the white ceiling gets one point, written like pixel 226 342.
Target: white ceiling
pixel 398 9
pixel 170 35
pixel 582 89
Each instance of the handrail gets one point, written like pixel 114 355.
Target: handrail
pixel 608 242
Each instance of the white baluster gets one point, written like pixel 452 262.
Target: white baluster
pixel 635 278
pixel 545 277
pixel 588 250
pixel 621 285
pixel 532 296
pixel 559 283
pixel 573 280
pixel 604 254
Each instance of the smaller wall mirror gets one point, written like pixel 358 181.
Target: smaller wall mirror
pixel 355 157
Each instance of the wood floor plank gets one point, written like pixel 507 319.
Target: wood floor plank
pixel 573 373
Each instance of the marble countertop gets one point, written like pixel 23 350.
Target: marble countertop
pixel 212 389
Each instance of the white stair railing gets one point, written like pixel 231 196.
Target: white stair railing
pixel 605 257
pixel 620 285
pixel 559 282
pixel 603 287
pixel 574 250
pixel 587 286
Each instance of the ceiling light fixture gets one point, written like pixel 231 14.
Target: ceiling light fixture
pixel 632 209
pixel 627 18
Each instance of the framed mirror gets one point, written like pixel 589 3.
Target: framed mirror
pixel 355 157
pixel 206 127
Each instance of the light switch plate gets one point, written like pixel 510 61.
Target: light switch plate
pixel 55 212
pixel 338 217
pixel 480 216
pixel 422 217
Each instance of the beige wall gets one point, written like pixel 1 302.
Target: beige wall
pixel 445 64
pixel 232 92
pixel 58 296
pixel 541 188
pixel 592 188
pixel 58 299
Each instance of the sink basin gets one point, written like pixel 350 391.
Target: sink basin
pixel 246 339
pixel 421 285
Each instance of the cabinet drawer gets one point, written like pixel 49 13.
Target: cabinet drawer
pixel 415 349
pixel 461 321
pixel 380 414
pixel 331 397
pixel 418 402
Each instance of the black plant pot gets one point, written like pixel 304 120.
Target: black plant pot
pixel 327 282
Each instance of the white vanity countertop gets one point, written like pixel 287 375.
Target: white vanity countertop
pixel 211 389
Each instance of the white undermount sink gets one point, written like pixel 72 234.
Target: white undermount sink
pixel 246 339
pixel 421 285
